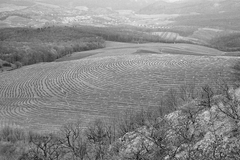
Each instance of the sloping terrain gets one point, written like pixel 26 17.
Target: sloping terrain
pixel 194 7
pixel 115 4
pixel 46 95
pixel 42 14
pixel 121 49
pixel 202 13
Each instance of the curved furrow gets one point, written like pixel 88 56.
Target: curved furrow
pixel 53 93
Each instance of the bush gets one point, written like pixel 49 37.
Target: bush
pixel 7 151
pixel 18 64
pixel 6 65
pixel 73 141
pixel 45 147
pixel 228 42
pixel 236 73
pixel 12 135
pixel 99 136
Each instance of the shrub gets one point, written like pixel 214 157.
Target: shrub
pixel 99 136
pixel 7 151
pixel 236 73
pixel 73 140
pixel 45 146
pixel 7 65
pixel 13 135
pixel 18 64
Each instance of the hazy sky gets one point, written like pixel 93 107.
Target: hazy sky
pixel 172 0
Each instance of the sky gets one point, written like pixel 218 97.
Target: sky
pixel 172 0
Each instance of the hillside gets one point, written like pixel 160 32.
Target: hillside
pixel 209 19
pixel 27 46
pixel 47 95
pixel 42 14
pixel 192 7
pixel 114 4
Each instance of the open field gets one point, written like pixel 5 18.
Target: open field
pixel 123 76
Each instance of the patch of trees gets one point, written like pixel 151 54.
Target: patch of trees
pixel 227 20
pixel 121 34
pixel 29 46
pixel 235 76
pixel 24 46
pixel 5 16
pixel 230 42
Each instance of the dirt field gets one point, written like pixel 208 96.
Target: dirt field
pixel 118 48
pixel 107 82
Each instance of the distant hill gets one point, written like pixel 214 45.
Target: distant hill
pixel 114 4
pixel 192 7
pixel 18 2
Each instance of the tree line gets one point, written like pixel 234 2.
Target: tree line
pixel 229 42
pixel 25 46
pixel 29 46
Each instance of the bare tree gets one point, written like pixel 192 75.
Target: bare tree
pixel 100 135
pixel 73 141
pixel 45 147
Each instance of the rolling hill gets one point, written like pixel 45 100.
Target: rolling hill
pixel 114 4
pixel 45 96
pixel 216 14
pixel 192 7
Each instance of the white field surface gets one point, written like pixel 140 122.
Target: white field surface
pixel 122 76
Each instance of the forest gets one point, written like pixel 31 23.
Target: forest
pixel 229 42
pixel 25 46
